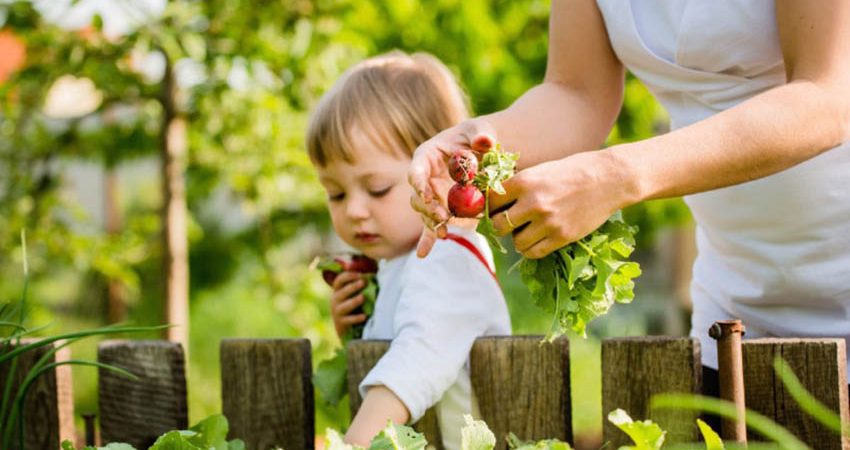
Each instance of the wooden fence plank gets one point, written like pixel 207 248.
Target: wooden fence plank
pixel 362 356
pixel 636 368
pixel 523 386
pixel 820 364
pixel 267 392
pixel 49 404
pixel 138 411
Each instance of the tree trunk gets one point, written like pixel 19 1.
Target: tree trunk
pixel 175 243
pixel 116 305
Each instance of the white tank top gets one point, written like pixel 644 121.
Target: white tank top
pixel 774 252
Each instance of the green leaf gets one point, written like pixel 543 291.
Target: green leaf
pixel 117 446
pixel 174 440
pixel 514 443
pixel 712 440
pixel 330 377
pixel 335 442
pixel 210 432
pixel 579 281
pixel 398 437
pixel 645 434
pixel 475 435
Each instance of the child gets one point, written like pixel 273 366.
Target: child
pixel 360 139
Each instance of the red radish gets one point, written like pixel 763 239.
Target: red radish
pixel 355 263
pixel 361 264
pixel 466 200
pixel 463 165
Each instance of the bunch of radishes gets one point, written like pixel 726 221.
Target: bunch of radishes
pixel 465 198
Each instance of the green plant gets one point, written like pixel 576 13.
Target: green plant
pixel 208 434
pixel 12 320
pixel 579 281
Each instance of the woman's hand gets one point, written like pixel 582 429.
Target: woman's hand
pixel 552 204
pixel 345 300
pixel 429 175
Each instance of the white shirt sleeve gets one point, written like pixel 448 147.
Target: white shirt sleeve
pixel 449 299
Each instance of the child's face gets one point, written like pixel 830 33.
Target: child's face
pixel 369 200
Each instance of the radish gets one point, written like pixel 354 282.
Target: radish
pixel 354 263
pixel 466 200
pixel 463 166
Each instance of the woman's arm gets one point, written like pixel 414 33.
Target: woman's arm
pixel 579 100
pixel 572 110
pixel 563 200
pixel 770 132
pixel 379 405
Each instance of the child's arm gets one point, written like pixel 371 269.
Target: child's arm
pixel 379 405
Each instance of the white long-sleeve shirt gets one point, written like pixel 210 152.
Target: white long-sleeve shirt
pixel 433 309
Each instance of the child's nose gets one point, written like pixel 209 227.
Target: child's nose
pixel 357 208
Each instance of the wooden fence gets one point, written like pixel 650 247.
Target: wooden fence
pixel 521 386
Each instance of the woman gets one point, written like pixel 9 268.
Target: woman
pixel 759 96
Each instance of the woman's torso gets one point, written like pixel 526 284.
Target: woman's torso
pixel 774 252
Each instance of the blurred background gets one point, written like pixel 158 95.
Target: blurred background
pixel 153 152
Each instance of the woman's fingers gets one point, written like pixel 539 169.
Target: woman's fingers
pixel 513 190
pixel 541 249
pixel 482 142
pixel 528 236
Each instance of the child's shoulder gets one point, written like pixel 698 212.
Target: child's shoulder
pixel 464 255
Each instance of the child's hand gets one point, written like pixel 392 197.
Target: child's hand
pixel 345 301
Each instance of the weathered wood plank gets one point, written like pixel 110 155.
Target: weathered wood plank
pixel 636 368
pixel 49 404
pixel 820 364
pixel 362 356
pixel 523 386
pixel 138 411
pixel 267 392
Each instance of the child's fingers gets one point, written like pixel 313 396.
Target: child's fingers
pixel 345 307
pixel 346 292
pixel 343 279
pixel 353 319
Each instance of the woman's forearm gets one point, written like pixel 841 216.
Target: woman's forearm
pixel 771 132
pixel 554 120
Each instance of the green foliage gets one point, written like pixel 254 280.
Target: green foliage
pixel 711 438
pixel 545 444
pixel 579 281
pixel 13 330
pixel 755 421
pixel 646 434
pixel 208 434
pixel 475 435
pixel 807 402
pixel 582 280
pixel 261 70
pixel 392 437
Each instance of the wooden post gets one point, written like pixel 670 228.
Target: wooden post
pixel 362 356
pixel 821 366
pixel 267 392
pixel 138 411
pixel 636 368
pixel 49 404
pixel 523 386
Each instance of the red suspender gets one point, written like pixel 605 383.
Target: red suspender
pixel 472 248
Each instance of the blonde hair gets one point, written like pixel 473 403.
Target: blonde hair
pixel 396 99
